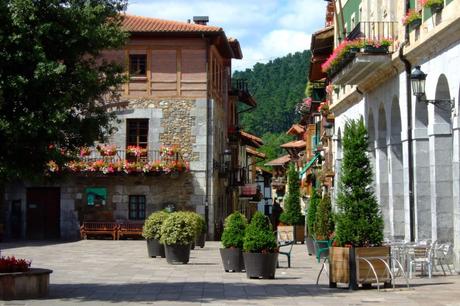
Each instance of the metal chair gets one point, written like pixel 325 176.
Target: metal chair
pixel 444 256
pixel 422 256
pixel 288 246
pixel 322 253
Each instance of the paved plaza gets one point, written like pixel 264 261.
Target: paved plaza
pixel 103 272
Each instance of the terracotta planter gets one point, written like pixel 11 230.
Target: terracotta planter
pixel 177 254
pixel 259 265
pixel 155 248
pixel 232 259
pixel 32 284
pixel 346 267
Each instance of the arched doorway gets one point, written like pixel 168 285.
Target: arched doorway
pixel 440 139
pixel 396 174
pixel 381 170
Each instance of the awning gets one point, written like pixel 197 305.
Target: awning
pixel 308 165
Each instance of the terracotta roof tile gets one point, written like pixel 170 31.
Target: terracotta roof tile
pixel 255 153
pixel 133 23
pixel 294 144
pixel 251 137
pixel 280 161
pixel 296 129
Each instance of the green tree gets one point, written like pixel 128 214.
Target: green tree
pixel 234 228
pixel 359 221
pixel 53 84
pixel 271 147
pixel 259 236
pixel 292 214
pixel 324 224
pixel 311 213
pixel 277 87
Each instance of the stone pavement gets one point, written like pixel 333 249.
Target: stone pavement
pixel 103 272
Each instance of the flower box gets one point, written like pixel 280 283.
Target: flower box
pixel 436 7
pixel 376 50
pixel 416 23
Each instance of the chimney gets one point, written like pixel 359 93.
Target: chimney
pixel 203 20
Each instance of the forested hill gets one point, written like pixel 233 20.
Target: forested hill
pixel 277 87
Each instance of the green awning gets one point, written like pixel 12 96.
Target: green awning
pixel 308 165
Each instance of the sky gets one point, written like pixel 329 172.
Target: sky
pixel 266 29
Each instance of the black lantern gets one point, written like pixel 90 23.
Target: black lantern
pixel 227 156
pixel 329 128
pixel 418 78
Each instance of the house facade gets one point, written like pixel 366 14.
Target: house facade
pixel 413 140
pixel 175 110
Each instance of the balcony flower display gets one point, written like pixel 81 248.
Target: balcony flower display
pixel 412 17
pixel 107 150
pixel 85 151
pixel 304 107
pixel 52 166
pixel 324 108
pixel 432 3
pixel 168 150
pixel 136 151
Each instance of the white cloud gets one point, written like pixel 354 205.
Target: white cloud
pixel 266 29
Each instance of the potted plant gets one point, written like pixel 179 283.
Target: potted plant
pixel 152 233
pixel 260 250
pixel 324 224
pixel 412 18
pixel 200 239
pixel 232 240
pixel 434 5
pixel 311 219
pixel 292 215
pixel 177 234
pixel 359 222
pixel 377 46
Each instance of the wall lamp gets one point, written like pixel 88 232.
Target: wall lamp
pixel 224 166
pixel 418 78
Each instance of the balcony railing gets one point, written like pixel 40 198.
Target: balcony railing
pixel 240 84
pixel 239 176
pixel 374 30
pixel 121 155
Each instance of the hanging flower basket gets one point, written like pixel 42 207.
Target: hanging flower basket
pixel 85 151
pixel 413 18
pixel 107 150
pixel 136 151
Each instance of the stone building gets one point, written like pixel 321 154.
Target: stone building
pixel 174 108
pixel 414 140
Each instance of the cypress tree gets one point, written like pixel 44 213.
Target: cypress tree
pixel 292 214
pixel 311 215
pixel 359 221
pixel 324 225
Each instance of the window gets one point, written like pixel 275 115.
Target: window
pixel 136 207
pixel 137 64
pixel 137 132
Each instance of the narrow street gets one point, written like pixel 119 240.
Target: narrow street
pixel 95 272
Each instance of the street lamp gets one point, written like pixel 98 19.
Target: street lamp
pixel 418 81
pixel 329 128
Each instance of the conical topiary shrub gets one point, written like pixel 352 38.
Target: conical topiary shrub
pixel 292 214
pixel 260 248
pixel 324 224
pixel 232 240
pixel 359 221
pixel 311 213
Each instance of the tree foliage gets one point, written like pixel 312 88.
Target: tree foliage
pixel 271 147
pixel 277 87
pixel 152 225
pixel 324 224
pixel 178 228
pixel 52 82
pixel 359 221
pixel 292 214
pixel 234 228
pixel 311 213
pixel 259 237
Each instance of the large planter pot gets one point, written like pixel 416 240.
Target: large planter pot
pixel 299 233
pixel 177 254
pixel 345 266
pixel 200 240
pixel 232 258
pixel 155 248
pixel 32 284
pixel 260 265
pixel 310 246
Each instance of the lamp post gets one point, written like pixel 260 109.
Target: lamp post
pixel 418 82
pixel 329 128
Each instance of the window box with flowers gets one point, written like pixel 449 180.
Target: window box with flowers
pixel 107 150
pixel 377 46
pixel 136 151
pixel 434 5
pixel 413 19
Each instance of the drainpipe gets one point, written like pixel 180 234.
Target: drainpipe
pixel 408 68
pixel 208 121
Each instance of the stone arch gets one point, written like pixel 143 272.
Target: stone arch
pixel 396 173
pixel 442 111
pixel 381 169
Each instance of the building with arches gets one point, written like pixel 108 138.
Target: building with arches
pixel 414 145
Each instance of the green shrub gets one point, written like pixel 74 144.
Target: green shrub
pixel 199 224
pixel 178 229
pixel 358 220
pixel 234 227
pixel 292 214
pixel 152 225
pixel 311 214
pixel 258 236
pixel 324 225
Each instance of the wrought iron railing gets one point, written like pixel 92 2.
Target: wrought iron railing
pixel 375 30
pixel 239 176
pixel 121 155
pixel 240 84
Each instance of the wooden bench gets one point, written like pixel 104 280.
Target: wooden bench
pixel 130 229
pixel 99 228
